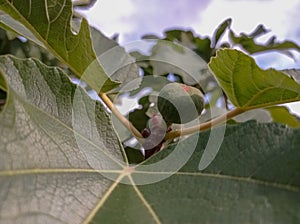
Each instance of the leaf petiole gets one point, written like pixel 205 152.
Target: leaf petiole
pixel 118 114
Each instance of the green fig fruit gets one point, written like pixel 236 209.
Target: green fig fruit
pixel 179 103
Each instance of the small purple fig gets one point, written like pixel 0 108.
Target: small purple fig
pixel 154 135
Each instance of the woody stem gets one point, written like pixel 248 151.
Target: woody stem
pixel 204 126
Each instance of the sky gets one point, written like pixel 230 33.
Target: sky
pixel 131 19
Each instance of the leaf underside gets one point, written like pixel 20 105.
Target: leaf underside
pixel 57 171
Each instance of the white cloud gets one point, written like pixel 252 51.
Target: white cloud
pixel 246 15
pixel 157 15
pixel 111 17
pixel 134 18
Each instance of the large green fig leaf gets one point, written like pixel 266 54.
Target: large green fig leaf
pixel 48 159
pixel 59 166
pixel 253 179
pixel 248 86
pixel 50 22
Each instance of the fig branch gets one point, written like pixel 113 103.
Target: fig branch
pixel 204 126
pixel 167 107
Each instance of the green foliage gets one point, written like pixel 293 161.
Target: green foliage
pixel 248 42
pixel 248 86
pixel 50 24
pixel 11 44
pixel 62 160
pixel 122 70
pixel 196 71
pixel 282 115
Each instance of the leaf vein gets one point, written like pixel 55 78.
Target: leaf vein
pixel 224 176
pixel 103 199
pixel 48 19
pixel 145 202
